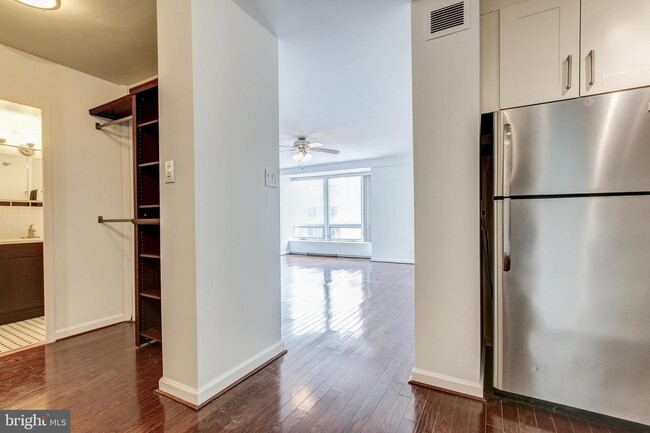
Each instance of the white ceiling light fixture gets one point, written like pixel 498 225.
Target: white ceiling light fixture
pixel 302 156
pixel 304 148
pixel 46 5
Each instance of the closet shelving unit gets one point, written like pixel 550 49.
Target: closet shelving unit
pixel 141 104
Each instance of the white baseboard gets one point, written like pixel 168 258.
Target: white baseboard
pixel 89 326
pixel 462 386
pixel 222 382
pixel 285 253
pixel 387 260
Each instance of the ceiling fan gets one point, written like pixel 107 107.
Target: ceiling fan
pixel 303 149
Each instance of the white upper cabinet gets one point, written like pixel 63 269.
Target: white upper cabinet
pixel 539 51
pixel 615 46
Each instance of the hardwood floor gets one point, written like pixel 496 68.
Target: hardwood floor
pixel 348 327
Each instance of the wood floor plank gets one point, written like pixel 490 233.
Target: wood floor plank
pixel 494 415
pixel 562 423
pixel 510 416
pixel 544 420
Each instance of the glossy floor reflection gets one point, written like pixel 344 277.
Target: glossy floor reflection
pixel 348 327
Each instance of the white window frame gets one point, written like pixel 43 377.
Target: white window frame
pixel 326 226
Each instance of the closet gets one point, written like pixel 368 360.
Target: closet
pixel 141 107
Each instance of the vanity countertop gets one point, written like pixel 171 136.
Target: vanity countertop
pixel 20 241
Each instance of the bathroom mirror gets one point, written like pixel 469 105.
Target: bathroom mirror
pixel 21 156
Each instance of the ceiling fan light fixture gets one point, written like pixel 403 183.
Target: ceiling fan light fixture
pixel 302 156
pixel 42 4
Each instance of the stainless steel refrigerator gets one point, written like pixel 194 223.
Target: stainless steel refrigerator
pixel 572 261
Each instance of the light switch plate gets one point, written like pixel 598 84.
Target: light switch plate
pixel 170 172
pixel 270 178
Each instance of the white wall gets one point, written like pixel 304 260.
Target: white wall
pixel 236 285
pixel 85 280
pixel 446 162
pixel 177 205
pixel 391 213
pixel 391 208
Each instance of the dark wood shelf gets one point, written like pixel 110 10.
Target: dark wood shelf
pixel 144 86
pixel 116 109
pixel 146 171
pixel 151 294
pixel 152 334
pixel 149 164
pixel 142 104
pixel 144 124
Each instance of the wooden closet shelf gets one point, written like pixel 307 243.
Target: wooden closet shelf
pixel 152 334
pixel 152 294
pixel 151 122
pixel 149 164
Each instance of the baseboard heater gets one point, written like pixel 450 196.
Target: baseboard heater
pixel 338 256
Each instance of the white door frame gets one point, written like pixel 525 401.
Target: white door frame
pixel 48 209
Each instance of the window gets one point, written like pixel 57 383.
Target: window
pixel 329 208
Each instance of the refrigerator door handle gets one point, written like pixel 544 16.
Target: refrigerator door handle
pixel 507 165
pixel 506 235
pixel 507 158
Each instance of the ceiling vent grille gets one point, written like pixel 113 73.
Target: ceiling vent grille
pixel 448 19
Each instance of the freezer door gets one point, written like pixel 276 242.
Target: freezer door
pixel 573 311
pixel 589 145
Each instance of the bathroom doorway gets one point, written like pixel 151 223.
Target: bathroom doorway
pixel 22 292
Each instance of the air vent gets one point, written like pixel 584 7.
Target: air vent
pixel 447 19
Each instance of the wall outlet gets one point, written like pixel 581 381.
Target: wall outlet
pixel 270 179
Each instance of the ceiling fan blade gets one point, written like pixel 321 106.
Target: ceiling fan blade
pixel 315 144
pixel 291 147
pixel 322 149
pixel 287 150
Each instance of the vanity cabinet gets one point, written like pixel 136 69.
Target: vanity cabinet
pixel 539 49
pixel 21 282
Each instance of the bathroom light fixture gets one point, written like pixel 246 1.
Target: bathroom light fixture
pixel 42 4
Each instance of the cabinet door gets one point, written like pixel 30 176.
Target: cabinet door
pixel 539 52
pixel 614 49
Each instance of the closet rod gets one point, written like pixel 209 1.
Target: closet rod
pixel 101 220
pixel 100 126
pixel 138 221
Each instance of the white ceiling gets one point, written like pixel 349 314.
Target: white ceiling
pixel 345 75
pixel 111 39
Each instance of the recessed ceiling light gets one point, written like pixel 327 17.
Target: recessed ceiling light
pixel 42 4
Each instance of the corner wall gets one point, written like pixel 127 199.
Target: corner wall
pixel 446 111
pixel 218 77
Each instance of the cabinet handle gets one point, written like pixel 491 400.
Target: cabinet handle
pixel 569 67
pixel 592 67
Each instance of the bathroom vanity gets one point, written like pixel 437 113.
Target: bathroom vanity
pixel 21 280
